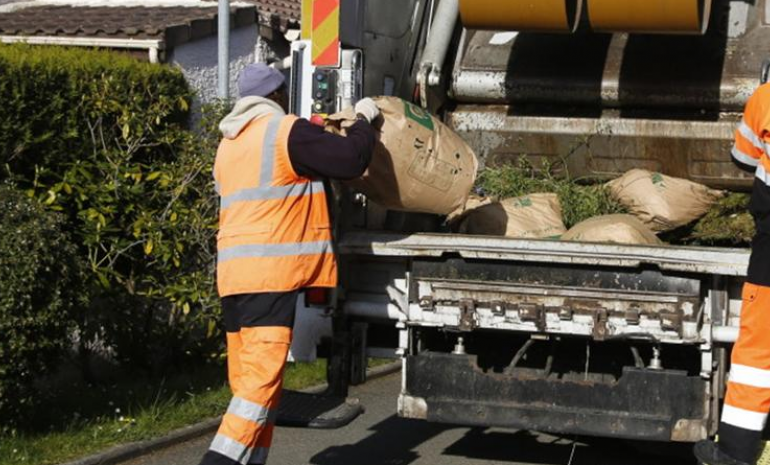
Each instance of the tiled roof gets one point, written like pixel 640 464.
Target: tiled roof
pixel 278 14
pixel 284 14
pixel 174 24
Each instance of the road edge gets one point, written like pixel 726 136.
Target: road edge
pixel 133 450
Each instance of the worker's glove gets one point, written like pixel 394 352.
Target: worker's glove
pixel 368 109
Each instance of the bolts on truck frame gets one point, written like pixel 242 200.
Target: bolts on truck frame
pixel 459 347
pixel 655 362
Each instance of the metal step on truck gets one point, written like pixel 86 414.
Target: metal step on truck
pixel 563 337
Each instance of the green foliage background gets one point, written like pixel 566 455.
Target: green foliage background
pixel 101 139
pixel 39 272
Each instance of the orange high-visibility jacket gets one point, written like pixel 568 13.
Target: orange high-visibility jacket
pixel 752 138
pixel 274 228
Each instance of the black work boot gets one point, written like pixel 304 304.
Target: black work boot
pixel 708 453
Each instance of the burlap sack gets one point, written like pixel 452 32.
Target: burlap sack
pixel 663 202
pixel 619 229
pixel 419 164
pixel 534 216
pixel 473 202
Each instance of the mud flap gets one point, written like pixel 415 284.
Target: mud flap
pixel 665 405
pixel 305 410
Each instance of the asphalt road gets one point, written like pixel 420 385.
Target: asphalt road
pixel 379 437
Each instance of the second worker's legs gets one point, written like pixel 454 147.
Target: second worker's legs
pixel 747 403
pixel 748 391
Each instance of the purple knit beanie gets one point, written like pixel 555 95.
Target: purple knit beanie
pixel 260 80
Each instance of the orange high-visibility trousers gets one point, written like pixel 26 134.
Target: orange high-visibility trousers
pixel 748 391
pixel 747 403
pixel 256 358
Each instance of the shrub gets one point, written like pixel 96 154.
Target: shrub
pixel 100 137
pixel 55 99
pixel 149 231
pixel 38 271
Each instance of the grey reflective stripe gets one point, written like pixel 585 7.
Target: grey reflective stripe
pixel 231 449
pixel 762 174
pixel 274 250
pixel 217 188
pixel 259 456
pixel 748 133
pixel 272 193
pixel 236 451
pixel 743 158
pixel 268 151
pixel 248 410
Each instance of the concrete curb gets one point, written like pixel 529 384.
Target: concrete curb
pixel 133 450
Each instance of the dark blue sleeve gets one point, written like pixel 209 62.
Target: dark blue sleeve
pixel 316 153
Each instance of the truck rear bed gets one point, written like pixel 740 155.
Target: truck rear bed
pixel 599 339
pixel 709 260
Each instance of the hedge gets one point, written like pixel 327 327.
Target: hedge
pixel 54 98
pixel 39 269
pixel 101 138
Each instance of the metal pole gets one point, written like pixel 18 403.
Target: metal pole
pixel 223 50
pixel 435 51
pixel 441 31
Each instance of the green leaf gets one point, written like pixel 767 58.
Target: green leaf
pixel 105 133
pixel 103 280
pixel 50 198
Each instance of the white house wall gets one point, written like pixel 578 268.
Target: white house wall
pixel 198 61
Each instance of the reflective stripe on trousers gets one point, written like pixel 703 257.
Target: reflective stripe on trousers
pixel 256 361
pixel 748 394
pixel 237 452
pixel 747 402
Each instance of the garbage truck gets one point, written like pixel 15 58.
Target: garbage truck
pixel 594 339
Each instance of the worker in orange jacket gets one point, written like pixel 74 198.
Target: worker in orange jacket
pixel 274 240
pixel 748 391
